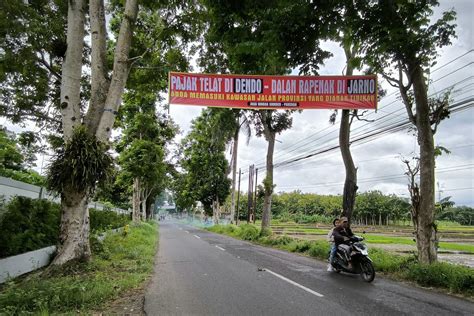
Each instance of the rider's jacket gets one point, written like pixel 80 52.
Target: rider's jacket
pixel 339 233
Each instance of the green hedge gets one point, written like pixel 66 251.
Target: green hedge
pixel 28 224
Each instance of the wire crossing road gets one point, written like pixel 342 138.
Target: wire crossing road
pixel 201 273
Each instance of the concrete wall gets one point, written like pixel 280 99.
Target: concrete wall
pixel 14 266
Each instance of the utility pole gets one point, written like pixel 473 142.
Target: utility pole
pixel 255 201
pixel 250 194
pixel 238 198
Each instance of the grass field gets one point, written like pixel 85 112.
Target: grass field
pixel 461 238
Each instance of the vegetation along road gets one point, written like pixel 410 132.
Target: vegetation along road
pixel 201 273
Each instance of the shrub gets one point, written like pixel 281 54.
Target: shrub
pixel 104 220
pixel 249 232
pixel 27 225
pixel 266 232
pixel 319 249
pixel 456 278
pixel 387 262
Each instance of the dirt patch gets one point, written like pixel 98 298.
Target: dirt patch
pixel 129 303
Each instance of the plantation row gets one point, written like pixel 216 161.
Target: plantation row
pixel 371 208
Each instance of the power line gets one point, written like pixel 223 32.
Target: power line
pixel 397 126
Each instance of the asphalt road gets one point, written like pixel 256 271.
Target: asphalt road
pixel 201 273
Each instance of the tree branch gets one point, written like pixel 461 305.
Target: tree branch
pixel 48 66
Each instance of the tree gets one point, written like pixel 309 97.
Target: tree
pixel 269 123
pixel 399 35
pixel 205 178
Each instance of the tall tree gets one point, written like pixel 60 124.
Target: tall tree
pixel 399 35
pixel 205 177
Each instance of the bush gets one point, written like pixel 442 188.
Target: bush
pixel 249 232
pixel 266 232
pixel 387 262
pixel 105 220
pixel 27 225
pixel 456 278
pixel 319 249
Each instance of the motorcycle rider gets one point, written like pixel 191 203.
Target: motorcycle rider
pixel 342 234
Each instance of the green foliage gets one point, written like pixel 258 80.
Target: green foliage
pixel 84 287
pixel 27 176
pixel 104 220
pixel 80 165
pixel 457 279
pixel 319 250
pixel 28 224
pixel 387 262
pixel 10 155
pixel 203 160
pixel 265 232
pixel 33 45
pixel 249 232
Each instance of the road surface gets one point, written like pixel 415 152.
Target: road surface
pixel 202 273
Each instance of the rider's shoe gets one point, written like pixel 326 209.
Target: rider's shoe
pixel 330 268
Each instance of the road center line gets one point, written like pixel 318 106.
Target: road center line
pixel 220 248
pixel 295 284
pixel 186 232
pixel 197 237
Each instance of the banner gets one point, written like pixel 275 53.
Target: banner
pixel 273 92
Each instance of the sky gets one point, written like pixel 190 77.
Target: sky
pixel 379 161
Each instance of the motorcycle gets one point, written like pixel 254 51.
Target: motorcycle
pixel 359 258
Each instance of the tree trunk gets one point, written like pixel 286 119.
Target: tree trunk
pixel 149 210
pixel 268 181
pixel 426 233
pixel 99 74
pixel 143 200
pixel 136 200
pixel 234 174
pixel 74 236
pixel 350 182
pixel 72 69
pixel 120 70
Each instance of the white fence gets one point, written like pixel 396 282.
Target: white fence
pixel 10 188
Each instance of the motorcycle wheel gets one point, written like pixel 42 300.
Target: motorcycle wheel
pixel 367 271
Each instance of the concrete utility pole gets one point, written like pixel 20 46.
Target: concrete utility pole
pixel 255 201
pixel 250 194
pixel 238 198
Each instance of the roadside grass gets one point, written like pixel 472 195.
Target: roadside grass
pixel 454 278
pixel 120 263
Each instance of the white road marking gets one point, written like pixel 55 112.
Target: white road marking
pixel 197 237
pixel 186 232
pixel 295 284
pixel 220 248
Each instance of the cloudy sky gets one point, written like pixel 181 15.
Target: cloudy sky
pixel 378 160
